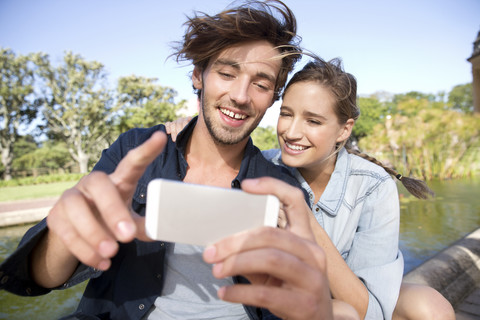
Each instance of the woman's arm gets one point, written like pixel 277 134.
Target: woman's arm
pixel 370 276
pixel 344 284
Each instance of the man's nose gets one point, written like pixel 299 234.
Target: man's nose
pixel 239 92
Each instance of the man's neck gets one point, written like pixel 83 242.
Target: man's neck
pixel 209 162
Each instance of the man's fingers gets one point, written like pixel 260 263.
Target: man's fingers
pixel 105 205
pixel 63 228
pixel 265 237
pixel 293 202
pixel 133 165
pixel 280 301
pixel 274 262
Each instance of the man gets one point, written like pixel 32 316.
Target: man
pixel 241 60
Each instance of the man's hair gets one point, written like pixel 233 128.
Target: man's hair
pixel 208 35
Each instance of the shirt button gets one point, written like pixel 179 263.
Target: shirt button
pixel 317 209
pixel 235 184
pixel 141 306
pixel 159 276
pixel 142 195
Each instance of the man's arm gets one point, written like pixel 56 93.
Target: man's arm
pixel 88 219
pixel 286 268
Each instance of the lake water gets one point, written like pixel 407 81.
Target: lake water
pixel 426 227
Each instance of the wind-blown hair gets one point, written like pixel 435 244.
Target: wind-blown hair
pixel 269 20
pixel 343 87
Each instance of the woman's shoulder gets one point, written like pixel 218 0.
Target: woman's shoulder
pixel 359 164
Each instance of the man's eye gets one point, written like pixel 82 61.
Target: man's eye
pixel 262 86
pixel 226 75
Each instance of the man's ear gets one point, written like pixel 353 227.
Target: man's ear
pixel 346 130
pixel 197 78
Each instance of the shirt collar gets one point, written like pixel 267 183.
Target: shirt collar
pixel 332 197
pixel 247 167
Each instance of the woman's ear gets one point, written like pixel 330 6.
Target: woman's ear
pixel 346 130
pixel 197 78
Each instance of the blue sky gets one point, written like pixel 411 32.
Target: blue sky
pixel 394 46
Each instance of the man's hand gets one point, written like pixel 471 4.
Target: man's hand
pixel 287 268
pixel 88 219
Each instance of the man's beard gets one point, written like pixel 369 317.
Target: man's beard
pixel 220 134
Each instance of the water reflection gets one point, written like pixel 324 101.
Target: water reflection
pixel 426 227
pixel 52 306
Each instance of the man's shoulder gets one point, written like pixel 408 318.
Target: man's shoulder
pixel 135 137
pixel 267 168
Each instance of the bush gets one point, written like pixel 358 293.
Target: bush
pixel 41 179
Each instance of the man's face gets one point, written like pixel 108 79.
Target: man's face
pixel 237 89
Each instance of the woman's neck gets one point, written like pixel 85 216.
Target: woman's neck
pixel 318 177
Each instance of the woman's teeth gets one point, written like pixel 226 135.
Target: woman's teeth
pixel 295 147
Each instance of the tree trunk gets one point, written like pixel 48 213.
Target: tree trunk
pixel 7 164
pixel 83 161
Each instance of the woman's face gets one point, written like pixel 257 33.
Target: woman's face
pixel 308 128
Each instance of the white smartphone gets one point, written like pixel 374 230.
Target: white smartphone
pixel 201 215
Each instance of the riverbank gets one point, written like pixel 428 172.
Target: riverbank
pixel 25 211
pixel 454 271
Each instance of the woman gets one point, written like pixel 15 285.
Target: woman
pixel 353 198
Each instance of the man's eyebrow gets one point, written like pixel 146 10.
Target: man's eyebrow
pixel 236 65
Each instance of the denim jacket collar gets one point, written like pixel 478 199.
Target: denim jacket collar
pixel 332 197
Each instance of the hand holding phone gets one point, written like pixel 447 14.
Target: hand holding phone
pixel 201 215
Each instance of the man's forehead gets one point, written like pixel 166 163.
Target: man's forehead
pixel 257 54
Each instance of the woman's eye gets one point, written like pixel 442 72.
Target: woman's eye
pixel 314 122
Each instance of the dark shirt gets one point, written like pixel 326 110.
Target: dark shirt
pixel 135 279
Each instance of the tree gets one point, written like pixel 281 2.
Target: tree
pixel 52 155
pixel 265 138
pixel 145 103
pixel 78 107
pixel 372 112
pixel 17 103
pixel 461 98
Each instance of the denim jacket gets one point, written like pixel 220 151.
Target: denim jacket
pixel 135 279
pixel 360 212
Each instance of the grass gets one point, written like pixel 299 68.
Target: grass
pixel 34 191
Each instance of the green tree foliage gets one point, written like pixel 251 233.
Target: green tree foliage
pixel 145 103
pixel 461 98
pixel 265 138
pixel 372 112
pixel 426 141
pixel 78 107
pixel 52 155
pixel 17 104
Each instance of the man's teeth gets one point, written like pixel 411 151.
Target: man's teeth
pixel 232 114
pixel 295 147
